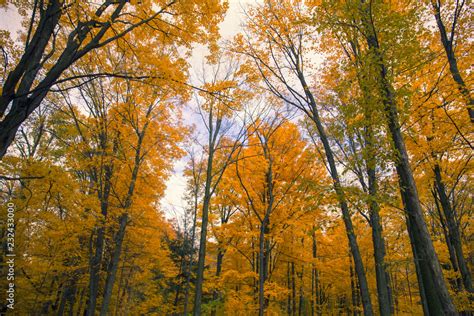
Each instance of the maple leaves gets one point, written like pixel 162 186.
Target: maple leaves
pixel 328 169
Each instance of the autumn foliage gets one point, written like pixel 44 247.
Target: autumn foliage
pixel 327 152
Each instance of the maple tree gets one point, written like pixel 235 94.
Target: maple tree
pixel 324 150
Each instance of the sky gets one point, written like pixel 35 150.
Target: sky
pixel 10 20
pixel 173 202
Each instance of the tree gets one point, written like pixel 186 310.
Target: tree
pixel 58 34
pixel 221 96
pixel 449 45
pixel 279 55
pixel 267 181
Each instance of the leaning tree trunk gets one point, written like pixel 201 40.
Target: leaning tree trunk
pixel 21 78
pixel 457 282
pixel 353 245
pixel 346 216
pixel 453 230
pixel 383 288
pixel 439 300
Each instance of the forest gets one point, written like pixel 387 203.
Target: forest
pixel 324 150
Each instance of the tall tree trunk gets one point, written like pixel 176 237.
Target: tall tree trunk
pixel 203 238
pixel 80 309
pixel 113 265
pixel 315 297
pixel 439 302
pixel 262 270
pixel 68 295
pixel 379 246
pixel 346 216
pixel 453 229
pixel 182 266
pixel 191 255
pixel 354 247
pixel 215 295
pixel 123 222
pixel 214 129
pixel 353 289
pixel 72 300
pixel 121 290
pixel 202 256
pixel 96 260
pixel 62 302
pixel 105 186
pixel 457 282
pixel 301 292
pixel 418 270
pixel 288 286
pixel 293 289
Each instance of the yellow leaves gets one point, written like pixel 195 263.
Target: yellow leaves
pixel 274 291
pixel 238 276
pixel 221 97
pixel 313 3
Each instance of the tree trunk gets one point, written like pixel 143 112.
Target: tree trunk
pixel 214 129
pixel 262 273
pixel 62 302
pixel 353 289
pixel 215 295
pixel 353 245
pixel 379 246
pixel 346 216
pixel 301 292
pixel 453 229
pixel 315 300
pixel 123 222
pixel 288 286
pixel 439 302
pixel 201 258
pixel 96 260
pixel 293 289
pixel 113 265
pixel 457 282
pixel 182 266
pixel 421 286
pixel 80 310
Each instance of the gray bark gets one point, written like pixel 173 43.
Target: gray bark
pixel 203 237
pixel 439 302
pixel 454 235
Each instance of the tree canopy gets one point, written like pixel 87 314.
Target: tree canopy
pixel 326 145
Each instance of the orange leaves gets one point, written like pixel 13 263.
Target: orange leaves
pixel 222 97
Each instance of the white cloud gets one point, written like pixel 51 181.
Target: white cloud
pixel 173 202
